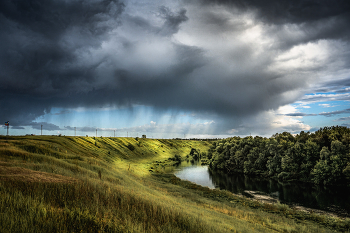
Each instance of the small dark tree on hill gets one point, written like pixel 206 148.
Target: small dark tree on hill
pixel 130 147
pixel 177 158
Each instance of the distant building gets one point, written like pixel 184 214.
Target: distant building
pixel 144 136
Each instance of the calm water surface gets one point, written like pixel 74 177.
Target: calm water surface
pixel 331 199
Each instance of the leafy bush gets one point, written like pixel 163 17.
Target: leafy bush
pixel 130 147
pixel 176 158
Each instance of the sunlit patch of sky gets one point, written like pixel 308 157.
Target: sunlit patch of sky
pixel 111 119
pixel 320 113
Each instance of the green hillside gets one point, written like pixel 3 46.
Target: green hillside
pixel 87 184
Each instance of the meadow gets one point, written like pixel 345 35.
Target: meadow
pixel 88 184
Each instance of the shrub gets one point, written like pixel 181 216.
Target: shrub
pixel 176 158
pixel 130 147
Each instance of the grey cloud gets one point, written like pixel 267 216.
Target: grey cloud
pixel 140 22
pixel 91 54
pixel 285 11
pixel 22 109
pixel 329 114
pixel 317 20
pixel 343 119
pixel 61 112
pixel 42 43
pixel 300 114
pixel 172 20
pixel 17 127
pixel 83 129
pixel 45 126
pixel 216 19
pixel 326 97
pixel 89 129
pixel 335 86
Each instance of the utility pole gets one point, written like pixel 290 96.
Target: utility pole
pixel 7 123
pixel 114 133
pixel 75 131
pixel 41 130
pixel 96 132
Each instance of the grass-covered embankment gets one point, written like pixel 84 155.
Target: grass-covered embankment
pixel 73 184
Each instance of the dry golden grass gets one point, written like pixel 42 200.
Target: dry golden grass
pixel 11 174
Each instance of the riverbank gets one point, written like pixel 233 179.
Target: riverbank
pixel 73 184
pixel 265 198
pixel 328 200
pixel 263 205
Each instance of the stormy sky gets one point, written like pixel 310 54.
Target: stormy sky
pixel 200 68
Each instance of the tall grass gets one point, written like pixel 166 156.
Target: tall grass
pixel 108 188
pixel 87 206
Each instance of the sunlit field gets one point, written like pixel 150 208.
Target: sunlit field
pixel 88 184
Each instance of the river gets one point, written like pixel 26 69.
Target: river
pixel 332 199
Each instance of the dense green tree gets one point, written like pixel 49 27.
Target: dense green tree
pixel 322 157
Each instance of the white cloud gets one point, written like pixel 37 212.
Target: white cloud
pixel 270 122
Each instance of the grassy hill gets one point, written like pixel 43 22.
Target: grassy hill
pixel 87 184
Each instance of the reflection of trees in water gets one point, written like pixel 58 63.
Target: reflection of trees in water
pixel 238 183
pixel 294 192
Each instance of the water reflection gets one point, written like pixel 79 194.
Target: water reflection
pixel 197 174
pixel 331 199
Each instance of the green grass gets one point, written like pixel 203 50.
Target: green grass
pixel 87 184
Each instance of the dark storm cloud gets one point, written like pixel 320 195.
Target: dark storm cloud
pixel 45 126
pixel 285 11
pixel 323 19
pixel 94 53
pixel 22 109
pixel 41 44
pixel 172 20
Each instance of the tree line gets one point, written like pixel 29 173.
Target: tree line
pixel 321 157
